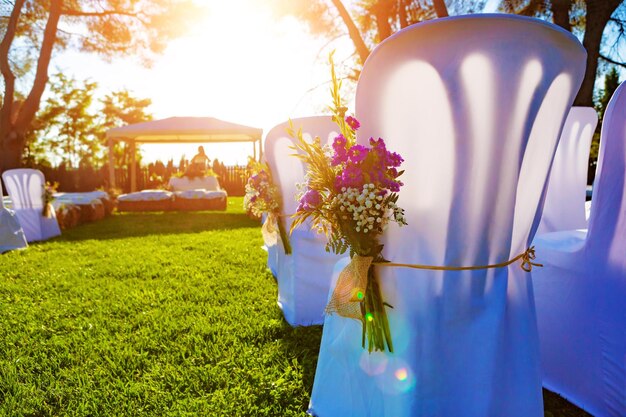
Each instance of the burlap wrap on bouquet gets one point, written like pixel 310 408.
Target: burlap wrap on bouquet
pixel 47 210
pixel 269 230
pixel 350 289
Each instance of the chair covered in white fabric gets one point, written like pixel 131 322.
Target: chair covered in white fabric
pixel 564 206
pixel 580 293
pixel 303 276
pixel 11 233
pixel 26 186
pixel 475 105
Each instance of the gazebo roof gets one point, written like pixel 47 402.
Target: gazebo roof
pixel 185 130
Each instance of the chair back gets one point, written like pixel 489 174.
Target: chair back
pixel 564 205
pixel 607 223
pixel 476 110
pixel 25 187
pixel 287 170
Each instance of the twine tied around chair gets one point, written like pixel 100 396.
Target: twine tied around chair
pixel 352 281
pixel 527 257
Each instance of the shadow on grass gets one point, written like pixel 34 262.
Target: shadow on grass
pixel 157 223
pixel 303 345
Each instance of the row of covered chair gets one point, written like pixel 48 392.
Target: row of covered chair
pixel 478 128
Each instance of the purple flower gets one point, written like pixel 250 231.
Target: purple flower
pixel 339 142
pixel 339 147
pixel 394 159
pixel 357 153
pixel 351 176
pixel 353 123
pixel 310 200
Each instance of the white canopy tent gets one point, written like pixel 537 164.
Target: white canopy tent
pixel 179 130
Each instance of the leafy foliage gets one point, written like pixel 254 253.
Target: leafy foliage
pixel 71 126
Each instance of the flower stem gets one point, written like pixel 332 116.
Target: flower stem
pixel 283 236
pixel 376 324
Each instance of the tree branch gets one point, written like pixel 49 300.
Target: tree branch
pixel 612 61
pixel 353 31
pixel 31 104
pixel 440 8
pixel 104 13
pixel 5 67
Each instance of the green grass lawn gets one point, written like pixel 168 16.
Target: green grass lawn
pixel 154 314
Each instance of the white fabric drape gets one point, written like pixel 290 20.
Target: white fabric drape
pixel 303 276
pixel 11 233
pixel 581 291
pixel 475 105
pixel 25 187
pixel 564 206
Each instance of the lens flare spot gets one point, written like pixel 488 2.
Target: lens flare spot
pixel 374 363
pixel 401 374
pixel 360 295
pixel 369 317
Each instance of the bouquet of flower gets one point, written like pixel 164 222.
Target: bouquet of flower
pixel 350 194
pixel 262 196
pixel 48 197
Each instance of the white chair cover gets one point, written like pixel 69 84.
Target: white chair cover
pixel 26 187
pixel 564 206
pixel 304 276
pixel 11 233
pixel 475 105
pixel 197 183
pixel 580 293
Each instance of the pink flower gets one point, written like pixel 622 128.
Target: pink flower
pixel 353 123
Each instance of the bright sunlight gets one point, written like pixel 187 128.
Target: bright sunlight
pixel 241 64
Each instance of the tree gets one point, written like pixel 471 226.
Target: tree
pixel 121 108
pixel 602 24
pixel 67 125
pixel 611 82
pixel 598 20
pixel 109 28
pixel 369 22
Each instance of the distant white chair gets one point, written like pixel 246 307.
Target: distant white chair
pixel 475 105
pixel 304 276
pixel 11 233
pixel 564 207
pixel 26 187
pixel 580 293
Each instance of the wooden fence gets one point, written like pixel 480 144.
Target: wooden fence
pixel 231 178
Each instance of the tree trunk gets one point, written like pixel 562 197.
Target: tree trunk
pixel 440 8
pixel 361 48
pixel 11 156
pixel 10 151
pixel 382 12
pixel 15 121
pixel 404 21
pixel 598 15
pixel 560 13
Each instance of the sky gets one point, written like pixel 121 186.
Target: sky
pixel 241 64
